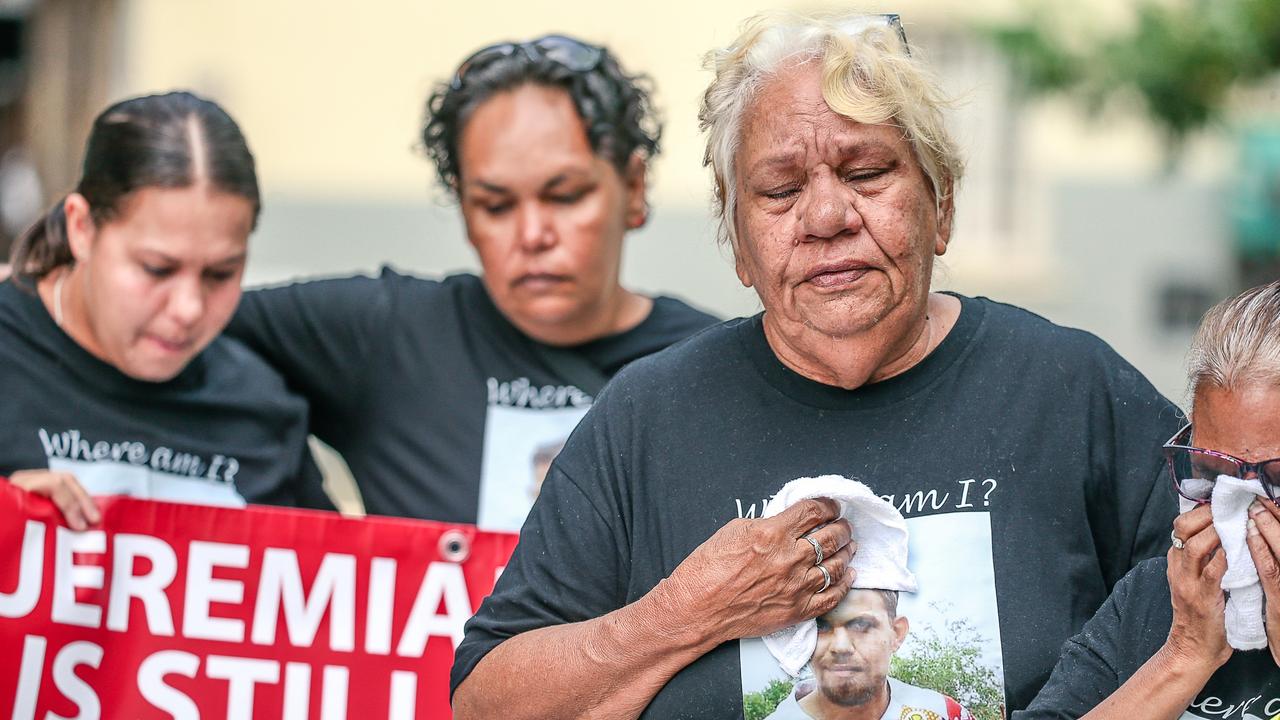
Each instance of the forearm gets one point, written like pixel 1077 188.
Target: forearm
pixel 608 667
pixel 1161 689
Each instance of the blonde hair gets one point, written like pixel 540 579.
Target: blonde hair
pixel 868 76
pixel 1238 343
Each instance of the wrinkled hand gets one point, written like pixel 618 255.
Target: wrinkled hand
pixel 65 491
pixel 1264 546
pixel 756 576
pixel 1199 633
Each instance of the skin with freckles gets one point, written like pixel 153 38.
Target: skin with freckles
pixel 546 216
pixel 837 230
pixel 154 284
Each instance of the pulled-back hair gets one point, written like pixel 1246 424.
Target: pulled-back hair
pixel 174 140
pixel 614 106
pixel 868 76
pixel 1238 343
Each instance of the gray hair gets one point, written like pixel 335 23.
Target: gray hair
pixel 868 75
pixel 1238 343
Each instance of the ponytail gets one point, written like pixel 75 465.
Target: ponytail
pixel 43 247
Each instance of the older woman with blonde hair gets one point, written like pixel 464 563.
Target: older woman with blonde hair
pixel 1023 455
pixel 1169 642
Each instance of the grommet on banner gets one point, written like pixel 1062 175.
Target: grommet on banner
pixel 455 546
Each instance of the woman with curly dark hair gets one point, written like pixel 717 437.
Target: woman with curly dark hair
pixel 438 393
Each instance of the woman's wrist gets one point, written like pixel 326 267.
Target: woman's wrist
pixel 1183 660
pixel 673 614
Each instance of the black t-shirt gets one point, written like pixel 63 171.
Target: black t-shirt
pixel 1129 628
pixel 223 431
pixel 441 407
pixel 1025 457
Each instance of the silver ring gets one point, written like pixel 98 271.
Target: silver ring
pixel 817 549
pixel 826 578
pixel 1178 544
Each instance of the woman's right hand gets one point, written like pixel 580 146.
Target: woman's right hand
pixel 753 577
pixel 79 510
pixel 1198 635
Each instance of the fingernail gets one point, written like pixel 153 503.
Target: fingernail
pixel 1255 507
pixel 1253 527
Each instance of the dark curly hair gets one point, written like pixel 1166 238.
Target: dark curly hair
pixel 614 106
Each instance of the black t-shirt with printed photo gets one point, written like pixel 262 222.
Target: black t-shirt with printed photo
pixel 1129 628
pixel 442 409
pixel 1025 457
pixel 224 431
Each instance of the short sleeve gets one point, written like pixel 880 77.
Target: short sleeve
pixel 320 334
pixel 1133 503
pixel 567 567
pixel 1124 633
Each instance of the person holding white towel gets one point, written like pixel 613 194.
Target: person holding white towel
pixel 848 650
pixel 1198 632
pixel 1025 455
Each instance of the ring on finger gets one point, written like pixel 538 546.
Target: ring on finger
pixel 817 549
pixel 826 578
pixel 1178 543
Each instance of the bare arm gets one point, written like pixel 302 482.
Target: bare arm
pixel 1161 689
pixel 750 578
pixel 608 667
pixel 1197 646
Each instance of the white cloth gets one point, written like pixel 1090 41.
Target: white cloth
pixel 1245 612
pixel 881 559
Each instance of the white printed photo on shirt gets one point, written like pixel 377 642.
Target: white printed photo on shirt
pixel 519 445
pixel 937 651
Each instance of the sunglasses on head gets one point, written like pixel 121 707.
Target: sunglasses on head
pixel 1195 470
pixel 858 24
pixel 560 49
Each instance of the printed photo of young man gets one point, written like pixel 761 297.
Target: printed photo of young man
pixel 856 642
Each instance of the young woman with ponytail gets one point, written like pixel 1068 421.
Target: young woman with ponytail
pixel 112 371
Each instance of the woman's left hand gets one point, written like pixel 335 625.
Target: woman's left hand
pixel 1198 637
pixel 1264 546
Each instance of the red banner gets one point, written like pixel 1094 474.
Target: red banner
pixel 184 611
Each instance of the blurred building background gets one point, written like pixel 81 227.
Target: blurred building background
pixel 1082 219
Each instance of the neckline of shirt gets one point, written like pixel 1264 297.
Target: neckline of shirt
pixel 41 328
pixel 598 350
pixel 795 386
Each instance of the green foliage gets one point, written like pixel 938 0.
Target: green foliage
pixel 1181 58
pixel 760 704
pixel 952 666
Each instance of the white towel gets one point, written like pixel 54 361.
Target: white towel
pixel 1245 612
pixel 881 559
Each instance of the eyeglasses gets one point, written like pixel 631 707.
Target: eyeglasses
pixel 860 23
pixel 1195 470
pixel 560 49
